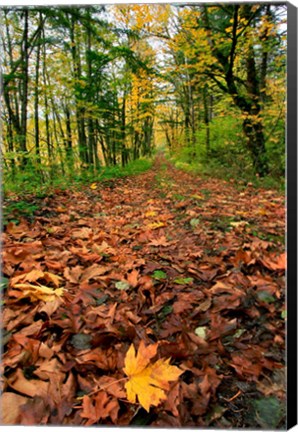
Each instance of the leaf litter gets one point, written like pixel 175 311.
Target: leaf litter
pixel 175 308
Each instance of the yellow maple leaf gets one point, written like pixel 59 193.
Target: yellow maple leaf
pixel 155 225
pixel 150 213
pixel 38 292
pixel 34 275
pixel 197 196
pixel 147 382
pixel 93 186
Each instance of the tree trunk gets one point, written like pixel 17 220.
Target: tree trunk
pixel 256 145
pixel 206 119
pixel 252 125
pixel 123 131
pixel 68 139
pixel 36 104
pixel 24 89
pixel 82 141
pixel 90 123
pixel 46 103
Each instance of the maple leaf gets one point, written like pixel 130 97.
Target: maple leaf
pixel 36 292
pixel 155 225
pixel 100 407
pixel 161 241
pixel 197 196
pixel 148 381
pixel 34 275
pixel 150 213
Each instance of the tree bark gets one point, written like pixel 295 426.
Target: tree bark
pixel 24 89
pixel 206 119
pixel 82 141
pixel 36 103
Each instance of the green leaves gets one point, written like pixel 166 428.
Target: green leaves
pixel 194 222
pixel 265 297
pixel 4 283
pixel 159 275
pixel 269 412
pixel 183 281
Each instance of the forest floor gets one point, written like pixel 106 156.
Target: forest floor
pixel 196 265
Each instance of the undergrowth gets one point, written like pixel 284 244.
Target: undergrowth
pixel 233 173
pixel 22 192
pixel 40 183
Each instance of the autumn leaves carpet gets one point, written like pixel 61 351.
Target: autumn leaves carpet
pixel 164 263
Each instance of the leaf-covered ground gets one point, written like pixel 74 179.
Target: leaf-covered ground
pixel 195 265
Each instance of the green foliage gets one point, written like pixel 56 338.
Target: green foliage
pixel 228 157
pixel 269 412
pixel 195 222
pixel 3 283
pixel 159 275
pixel 183 281
pixel 264 296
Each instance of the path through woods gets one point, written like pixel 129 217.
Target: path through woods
pixel 194 264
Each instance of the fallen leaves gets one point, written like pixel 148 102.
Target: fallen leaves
pixel 274 262
pixel 35 275
pixel 10 408
pixel 148 382
pixel 178 273
pixel 21 288
pixel 27 387
pixel 155 225
pixel 98 408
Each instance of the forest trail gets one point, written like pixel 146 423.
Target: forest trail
pixel 192 263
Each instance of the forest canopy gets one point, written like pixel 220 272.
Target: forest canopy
pixel 98 86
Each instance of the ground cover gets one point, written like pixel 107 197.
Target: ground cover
pixel 191 264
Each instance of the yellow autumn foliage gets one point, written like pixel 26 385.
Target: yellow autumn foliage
pixel 148 382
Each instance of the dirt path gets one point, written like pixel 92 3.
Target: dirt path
pixel 196 265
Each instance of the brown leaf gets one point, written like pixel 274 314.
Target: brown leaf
pixel 173 400
pixel 34 412
pixel 50 307
pixel 132 278
pixel 99 407
pixel 93 271
pixel 83 233
pixel 17 231
pixel 32 329
pixel 274 262
pixel 17 253
pixel 10 408
pixel 161 241
pixel 31 388
pixel 111 386
pixel 204 386
pixel 73 274
pixel 48 368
